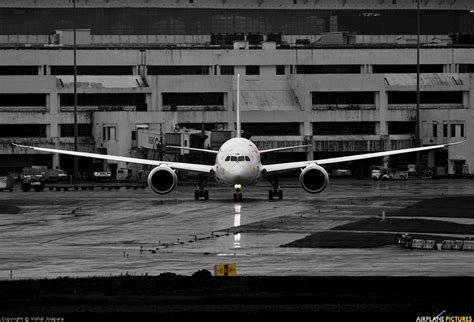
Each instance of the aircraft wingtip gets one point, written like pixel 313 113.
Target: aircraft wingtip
pixel 19 145
pixel 456 143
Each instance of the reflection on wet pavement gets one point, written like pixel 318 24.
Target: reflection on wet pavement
pixel 87 233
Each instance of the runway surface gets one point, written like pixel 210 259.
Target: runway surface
pixel 98 233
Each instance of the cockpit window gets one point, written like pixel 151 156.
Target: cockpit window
pixel 239 158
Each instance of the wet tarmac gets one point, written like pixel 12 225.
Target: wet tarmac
pixel 100 233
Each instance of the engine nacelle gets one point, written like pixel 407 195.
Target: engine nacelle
pixel 314 178
pixel 162 179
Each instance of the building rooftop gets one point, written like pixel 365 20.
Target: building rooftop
pixel 247 4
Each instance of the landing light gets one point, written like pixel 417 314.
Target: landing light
pixel 237 186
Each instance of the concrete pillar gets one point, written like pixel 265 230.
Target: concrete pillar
pixel 465 100
pixel 450 167
pixel 267 71
pixel 431 159
pixel 366 69
pixel 54 129
pixel 307 131
pixel 155 103
pixel 239 70
pixel 149 100
pixel 55 161
pixel 46 70
pixel 381 106
pixel 52 102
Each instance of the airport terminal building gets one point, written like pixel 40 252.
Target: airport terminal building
pixel 339 75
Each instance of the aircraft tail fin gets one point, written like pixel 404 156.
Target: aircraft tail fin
pixel 239 129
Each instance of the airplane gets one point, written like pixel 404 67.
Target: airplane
pixel 238 164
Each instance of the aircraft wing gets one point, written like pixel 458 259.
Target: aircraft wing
pixel 285 148
pixel 192 149
pixel 201 168
pixel 282 167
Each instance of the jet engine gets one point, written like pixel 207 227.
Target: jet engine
pixel 162 179
pixel 314 178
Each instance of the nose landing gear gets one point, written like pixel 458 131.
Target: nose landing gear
pixel 238 192
pixel 276 192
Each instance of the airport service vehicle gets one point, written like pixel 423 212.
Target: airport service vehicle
pixel 376 174
pixel 32 178
pixel 101 176
pixel 341 173
pixel 238 165
pixel 55 175
pixel 381 173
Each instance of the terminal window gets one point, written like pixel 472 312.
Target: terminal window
pixel 19 70
pixel 23 130
pixel 344 128
pixel 280 70
pixel 227 70
pixel 103 99
pixel 92 70
pixel 272 129
pixel 406 69
pixel 343 98
pixel 466 68
pixel 178 70
pixel 23 100
pixel 252 70
pixel 401 127
pixel 204 21
pixel 67 130
pixel 203 126
pixel 328 69
pixel 193 99
pixel 109 133
pixel 457 130
pixel 447 97
pixel 435 129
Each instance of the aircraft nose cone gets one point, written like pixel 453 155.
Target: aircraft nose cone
pixel 238 174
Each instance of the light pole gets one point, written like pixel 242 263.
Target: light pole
pixel 76 160
pixel 417 128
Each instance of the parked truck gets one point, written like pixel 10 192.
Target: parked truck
pixel 55 175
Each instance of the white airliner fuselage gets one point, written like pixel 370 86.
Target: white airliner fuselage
pixel 238 162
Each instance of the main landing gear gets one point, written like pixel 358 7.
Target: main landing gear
pixel 201 192
pixel 276 192
pixel 238 192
